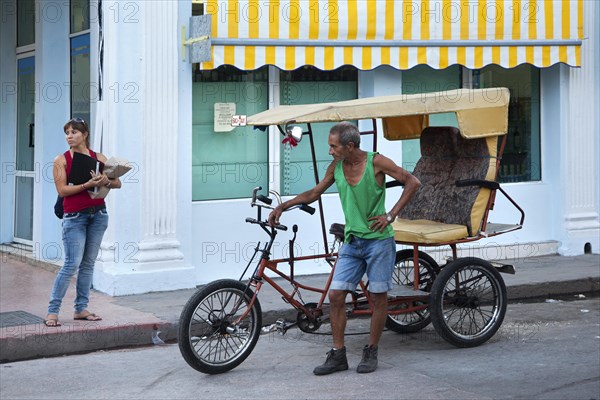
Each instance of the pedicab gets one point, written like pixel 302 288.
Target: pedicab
pixel 464 299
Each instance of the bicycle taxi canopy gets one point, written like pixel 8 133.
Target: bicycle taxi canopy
pixel 480 112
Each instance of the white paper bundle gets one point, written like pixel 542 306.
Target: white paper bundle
pixel 114 167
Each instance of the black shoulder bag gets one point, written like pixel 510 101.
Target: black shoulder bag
pixel 58 207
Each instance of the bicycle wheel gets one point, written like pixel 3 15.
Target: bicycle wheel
pixel 404 274
pixel 210 340
pixel 468 302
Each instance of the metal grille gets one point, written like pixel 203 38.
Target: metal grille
pixel 17 318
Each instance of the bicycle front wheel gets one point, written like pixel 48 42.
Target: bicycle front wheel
pixel 211 339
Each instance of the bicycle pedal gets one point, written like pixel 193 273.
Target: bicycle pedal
pixel 282 326
pixel 268 329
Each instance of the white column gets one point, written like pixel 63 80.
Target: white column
pixel 160 129
pixel 141 118
pixel 581 140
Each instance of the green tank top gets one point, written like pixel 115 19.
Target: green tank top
pixel 360 202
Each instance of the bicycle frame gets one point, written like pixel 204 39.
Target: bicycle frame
pixel 271 265
pixel 260 277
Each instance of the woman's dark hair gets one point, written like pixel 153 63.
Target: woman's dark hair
pixel 80 125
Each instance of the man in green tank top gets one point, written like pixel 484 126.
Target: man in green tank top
pixel 369 245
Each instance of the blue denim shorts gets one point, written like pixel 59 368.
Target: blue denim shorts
pixel 375 257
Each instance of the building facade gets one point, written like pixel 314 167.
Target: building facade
pixel 178 221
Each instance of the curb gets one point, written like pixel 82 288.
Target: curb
pixel 26 342
pixel 34 341
pixel 548 290
pixel 25 257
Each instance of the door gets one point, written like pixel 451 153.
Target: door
pixel 25 174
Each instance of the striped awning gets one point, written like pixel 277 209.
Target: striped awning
pixel 401 33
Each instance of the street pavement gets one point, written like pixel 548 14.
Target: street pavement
pixel 153 317
pixel 542 351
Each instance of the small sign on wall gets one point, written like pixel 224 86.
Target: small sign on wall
pixel 224 112
pixel 238 120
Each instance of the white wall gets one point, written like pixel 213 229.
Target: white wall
pixel 224 243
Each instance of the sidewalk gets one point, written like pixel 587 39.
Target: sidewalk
pixel 137 319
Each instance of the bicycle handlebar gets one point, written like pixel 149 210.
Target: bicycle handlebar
pixel 307 208
pixel 267 201
pixel 264 224
pixel 264 199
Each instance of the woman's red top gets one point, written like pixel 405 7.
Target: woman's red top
pixel 81 200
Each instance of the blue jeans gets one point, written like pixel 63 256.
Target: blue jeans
pixel 82 236
pixel 375 257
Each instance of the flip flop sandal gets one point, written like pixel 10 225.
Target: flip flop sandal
pixel 52 322
pixel 87 317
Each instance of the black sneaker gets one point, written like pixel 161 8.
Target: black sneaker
pixel 369 360
pixel 336 361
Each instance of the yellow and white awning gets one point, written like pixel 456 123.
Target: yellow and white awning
pixel 401 33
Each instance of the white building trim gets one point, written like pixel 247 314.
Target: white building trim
pixel 581 220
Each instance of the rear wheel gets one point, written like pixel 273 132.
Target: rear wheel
pixel 211 339
pixel 468 302
pixel 404 275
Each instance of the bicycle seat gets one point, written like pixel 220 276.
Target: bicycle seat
pixel 338 231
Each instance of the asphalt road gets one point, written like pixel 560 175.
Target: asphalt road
pixel 543 351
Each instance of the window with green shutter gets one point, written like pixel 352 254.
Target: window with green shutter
pixel 228 164
pixel 521 161
pixel 424 79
